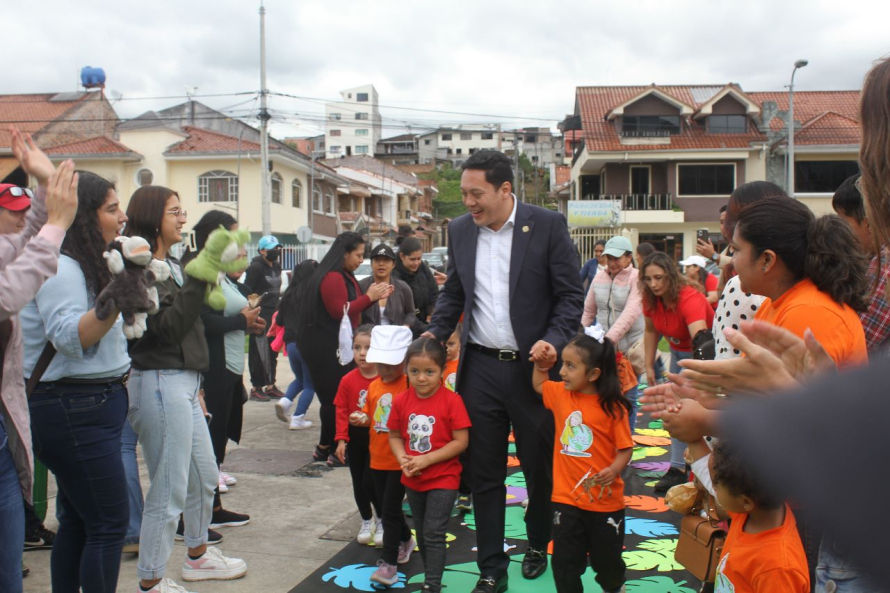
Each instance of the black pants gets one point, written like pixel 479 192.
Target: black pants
pixel 391 493
pixel 258 378
pixel 431 511
pixel 582 536
pixel 223 396
pixel 498 395
pixel 360 469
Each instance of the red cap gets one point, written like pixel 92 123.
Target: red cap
pixel 11 202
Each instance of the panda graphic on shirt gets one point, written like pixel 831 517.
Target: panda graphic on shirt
pixel 420 432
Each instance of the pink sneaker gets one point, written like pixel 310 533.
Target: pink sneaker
pixel 386 574
pixel 213 566
pixel 405 549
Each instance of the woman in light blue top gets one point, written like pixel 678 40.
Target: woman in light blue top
pixel 79 407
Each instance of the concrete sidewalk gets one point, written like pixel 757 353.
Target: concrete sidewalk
pixel 288 513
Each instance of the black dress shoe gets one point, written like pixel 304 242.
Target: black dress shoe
pixel 491 585
pixel 534 564
pixel 673 477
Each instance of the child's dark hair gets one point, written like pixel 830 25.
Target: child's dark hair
pixel 734 472
pixel 595 355
pixel 430 347
pixel 363 330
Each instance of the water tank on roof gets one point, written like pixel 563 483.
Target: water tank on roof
pixel 92 78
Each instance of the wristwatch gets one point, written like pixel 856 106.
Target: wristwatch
pixel 715 257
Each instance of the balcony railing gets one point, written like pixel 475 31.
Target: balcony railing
pixel 638 201
pixel 646 133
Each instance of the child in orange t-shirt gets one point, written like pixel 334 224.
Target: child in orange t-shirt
pixel 593 445
pixel 763 552
pixel 350 398
pixel 428 432
pixel 388 346
pixel 452 348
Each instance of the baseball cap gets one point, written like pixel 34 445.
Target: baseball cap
pixel 16 203
pixel 618 246
pixel 383 251
pixel 695 260
pixel 389 344
pixel 267 242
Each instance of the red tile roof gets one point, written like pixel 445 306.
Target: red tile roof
pixel 99 145
pixel 594 103
pixel 32 113
pixel 828 128
pixel 204 141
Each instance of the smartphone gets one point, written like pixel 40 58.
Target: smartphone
pixel 703 235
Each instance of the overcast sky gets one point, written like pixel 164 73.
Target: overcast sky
pixel 520 59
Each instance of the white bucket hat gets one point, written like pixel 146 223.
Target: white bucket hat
pixel 389 344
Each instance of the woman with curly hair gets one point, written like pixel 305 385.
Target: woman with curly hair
pixel 673 309
pixel 79 407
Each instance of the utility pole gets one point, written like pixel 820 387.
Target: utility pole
pixel 797 65
pixel 266 188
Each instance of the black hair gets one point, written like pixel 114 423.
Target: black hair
pixel 410 245
pixel 429 347
pixel 364 329
pixel 146 211
pixel 301 273
pixel 497 166
pixel 645 249
pixel 211 221
pixel 596 355
pixel 747 194
pixel 847 200
pixel 332 262
pixel 84 242
pixel 723 208
pixel 824 249
pixel 734 472
pixel 600 242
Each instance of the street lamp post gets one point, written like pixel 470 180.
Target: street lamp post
pixel 798 64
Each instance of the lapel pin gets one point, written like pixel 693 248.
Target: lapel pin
pixel 525 229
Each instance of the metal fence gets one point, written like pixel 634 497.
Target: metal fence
pixel 291 255
pixel 585 238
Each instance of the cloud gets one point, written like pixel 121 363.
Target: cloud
pixel 518 59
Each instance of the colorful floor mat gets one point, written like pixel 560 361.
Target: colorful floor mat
pixel 651 537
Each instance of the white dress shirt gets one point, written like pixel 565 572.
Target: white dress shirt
pixel 490 324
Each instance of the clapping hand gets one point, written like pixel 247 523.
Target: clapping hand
pixel 34 161
pixel 61 196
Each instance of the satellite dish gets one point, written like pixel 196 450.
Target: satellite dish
pixel 304 234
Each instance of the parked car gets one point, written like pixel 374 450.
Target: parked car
pixel 443 251
pixel 435 261
pixel 363 271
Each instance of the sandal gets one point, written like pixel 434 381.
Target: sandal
pixel 320 454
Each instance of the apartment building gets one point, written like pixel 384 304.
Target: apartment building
pixel 353 124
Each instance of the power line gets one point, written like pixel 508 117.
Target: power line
pixel 122 98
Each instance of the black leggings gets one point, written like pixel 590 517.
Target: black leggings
pixel 258 376
pixel 359 467
pixel 391 492
pixel 587 537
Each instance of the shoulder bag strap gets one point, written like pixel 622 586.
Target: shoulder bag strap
pixel 46 357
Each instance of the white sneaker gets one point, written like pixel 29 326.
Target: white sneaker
pixel 212 565
pixel 228 479
pixel 364 534
pixel 222 485
pixel 298 422
pixel 282 409
pixel 165 586
pixel 378 534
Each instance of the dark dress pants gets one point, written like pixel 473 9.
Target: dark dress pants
pixel 497 395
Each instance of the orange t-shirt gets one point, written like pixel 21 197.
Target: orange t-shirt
pixel 587 440
pixel 836 327
pixel 769 561
pixel 449 376
pixel 378 405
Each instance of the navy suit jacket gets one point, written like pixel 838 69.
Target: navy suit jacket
pixel 546 297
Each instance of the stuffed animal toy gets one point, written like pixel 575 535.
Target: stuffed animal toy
pixel 219 256
pixel 131 289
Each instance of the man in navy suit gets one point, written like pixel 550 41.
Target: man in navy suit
pixel 513 274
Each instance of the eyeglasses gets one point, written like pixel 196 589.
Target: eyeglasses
pixel 18 192
pixel 177 212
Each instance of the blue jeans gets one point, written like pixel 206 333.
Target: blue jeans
pixel 632 396
pixel 835 568
pixel 12 519
pixel 678 447
pixel 134 488
pixel 302 383
pixel 77 435
pixel 165 413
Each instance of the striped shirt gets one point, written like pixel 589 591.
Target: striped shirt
pixel 490 324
